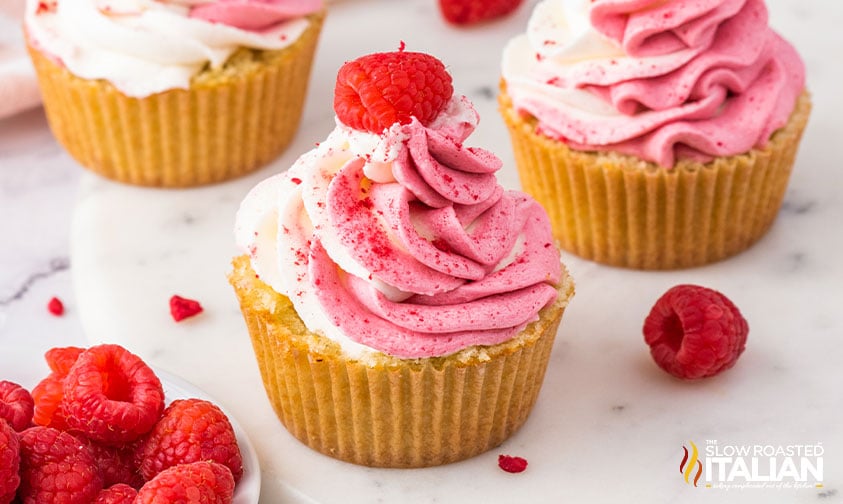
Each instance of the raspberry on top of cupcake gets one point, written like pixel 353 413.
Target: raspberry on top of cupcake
pixel 149 46
pixel 393 236
pixel 658 80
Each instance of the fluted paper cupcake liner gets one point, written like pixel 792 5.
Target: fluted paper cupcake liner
pixel 390 412
pixel 221 128
pixel 622 211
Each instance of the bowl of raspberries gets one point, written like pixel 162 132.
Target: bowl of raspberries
pixel 104 427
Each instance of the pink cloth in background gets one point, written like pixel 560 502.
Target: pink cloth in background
pixel 12 8
pixel 18 86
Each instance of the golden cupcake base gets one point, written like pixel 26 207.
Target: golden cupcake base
pixel 230 122
pixel 390 412
pixel 622 211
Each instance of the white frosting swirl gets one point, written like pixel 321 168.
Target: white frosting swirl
pixel 431 258
pixel 660 80
pixel 274 202
pixel 142 46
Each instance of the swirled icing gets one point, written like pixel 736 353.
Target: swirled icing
pixel 404 242
pixel 660 80
pixel 149 46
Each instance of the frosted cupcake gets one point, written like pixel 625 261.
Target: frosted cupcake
pixel 402 305
pixel 173 93
pixel 657 134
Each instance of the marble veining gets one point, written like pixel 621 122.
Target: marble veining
pixel 797 207
pixel 609 426
pixel 55 265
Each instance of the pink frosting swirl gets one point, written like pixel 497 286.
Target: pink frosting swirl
pixel 254 15
pixel 698 79
pixel 453 259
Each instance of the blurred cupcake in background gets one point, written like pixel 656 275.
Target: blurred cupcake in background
pixel 173 93
pixel 657 135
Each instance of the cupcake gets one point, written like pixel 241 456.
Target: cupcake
pixel 657 135
pixel 173 93
pixel 402 305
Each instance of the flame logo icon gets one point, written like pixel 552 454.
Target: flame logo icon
pixel 687 466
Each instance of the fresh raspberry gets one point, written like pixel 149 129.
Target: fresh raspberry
pixel 200 482
pixel 55 467
pixel 61 359
pixel 16 405
pixel 111 396
pixel 464 12
pixel 190 430
pixel 512 464
pixel 695 332
pixel 116 494
pixel 49 392
pixel 378 90
pixel 48 395
pixel 182 308
pixel 116 463
pixel 9 462
pixel 56 307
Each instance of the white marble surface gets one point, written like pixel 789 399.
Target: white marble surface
pixel 608 426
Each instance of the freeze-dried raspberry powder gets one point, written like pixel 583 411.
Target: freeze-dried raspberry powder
pixel 56 307
pixel 182 308
pixel 512 464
